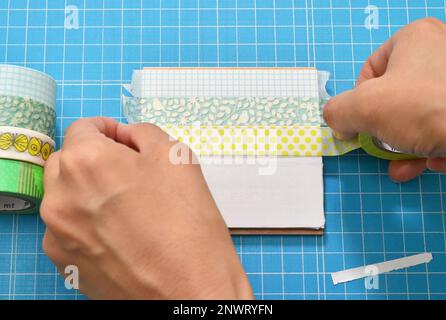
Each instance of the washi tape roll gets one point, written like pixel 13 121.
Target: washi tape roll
pixel 28 114
pixel 21 187
pixel 379 149
pixel 27 99
pixel 27 130
pixel 26 145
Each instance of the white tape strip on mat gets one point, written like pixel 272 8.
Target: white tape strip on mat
pixel 379 268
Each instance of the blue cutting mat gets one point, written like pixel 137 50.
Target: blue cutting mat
pixel 369 218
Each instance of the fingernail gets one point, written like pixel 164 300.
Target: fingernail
pixel 337 135
pixel 340 136
pixel 343 136
pixel 436 164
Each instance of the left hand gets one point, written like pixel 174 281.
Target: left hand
pixel 136 224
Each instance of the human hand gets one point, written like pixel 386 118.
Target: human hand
pixel 135 225
pixel 400 98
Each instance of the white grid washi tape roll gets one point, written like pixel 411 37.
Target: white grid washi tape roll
pixel 27 83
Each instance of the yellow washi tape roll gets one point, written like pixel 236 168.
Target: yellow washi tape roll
pixel 26 145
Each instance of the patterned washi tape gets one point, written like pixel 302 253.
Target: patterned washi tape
pixel 25 145
pixel 261 140
pixel 21 187
pixel 234 126
pixel 283 126
pixel 224 111
pixel 27 129
pixel 23 82
pixel 28 114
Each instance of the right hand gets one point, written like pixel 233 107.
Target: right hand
pixel 400 98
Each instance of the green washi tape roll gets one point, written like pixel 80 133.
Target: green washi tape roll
pixel 21 187
pixel 376 148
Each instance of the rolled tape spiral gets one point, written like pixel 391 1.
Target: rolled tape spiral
pixel 378 149
pixel 27 129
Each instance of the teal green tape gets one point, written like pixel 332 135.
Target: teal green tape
pixel 27 114
pixel 279 111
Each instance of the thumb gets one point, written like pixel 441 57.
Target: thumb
pixel 355 110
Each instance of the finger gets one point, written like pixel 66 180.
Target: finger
pixel 52 169
pixel 405 170
pixel 141 137
pixel 97 126
pixel 354 111
pixel 374 67
pixel 51 247
pixel 436 164
pixel 376 64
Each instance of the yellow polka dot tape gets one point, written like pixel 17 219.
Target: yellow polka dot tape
pixel 25 145
pixel 297 140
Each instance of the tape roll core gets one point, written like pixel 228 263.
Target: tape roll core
pixel 377 149
pixel 13 203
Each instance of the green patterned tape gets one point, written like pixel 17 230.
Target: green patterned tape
pixel 21 187
pixel 248 111
pixel 278 111
pixel 27 114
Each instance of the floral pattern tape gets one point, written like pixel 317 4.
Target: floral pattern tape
pixel 281 111
pixel 27 114
pixel 16 143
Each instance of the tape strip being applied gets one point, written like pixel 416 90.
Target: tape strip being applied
pixel 241 126
pixel 27 130
pixel 260 140
pixel 289 97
